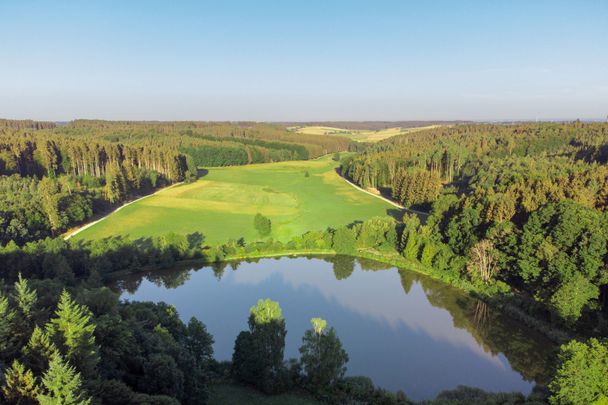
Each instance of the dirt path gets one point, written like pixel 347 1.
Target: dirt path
pixel 422 215
pixel 69 234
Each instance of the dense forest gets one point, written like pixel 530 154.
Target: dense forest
pixel 517 216
pixel 59 324
pixel 55 176
pixel 522 205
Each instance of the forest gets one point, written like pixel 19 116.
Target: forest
pixel 517 217
pixel 53 177
pixel 521 205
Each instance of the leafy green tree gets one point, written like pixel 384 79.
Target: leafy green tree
pixel 50 193
pixel 322 356
pixel 162 376
pixel 258 353
pixel 582 372
pixel 344 240
pixel 462 230
pixel 72 330
pixel 377 232
pixel 199 342
pixel 560 256
pixel 262 224
pixel 62 385
pixel 20 387
pixel 572 296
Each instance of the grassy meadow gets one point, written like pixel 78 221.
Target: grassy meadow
pixel 222 204
pixel 360 135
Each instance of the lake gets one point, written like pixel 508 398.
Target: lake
pixel 402 329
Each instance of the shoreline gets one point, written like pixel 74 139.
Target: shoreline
pixel 552 333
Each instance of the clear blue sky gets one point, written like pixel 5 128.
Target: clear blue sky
pixel 305 60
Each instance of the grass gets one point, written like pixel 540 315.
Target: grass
pixel 222 204
pixel 234 394
pixel 361 135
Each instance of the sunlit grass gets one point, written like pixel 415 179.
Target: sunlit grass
pixel 222 204
pixel 361 135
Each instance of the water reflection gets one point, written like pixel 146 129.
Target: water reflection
pixel 403 330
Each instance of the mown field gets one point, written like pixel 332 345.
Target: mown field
pixel 222 204
pixel 360 135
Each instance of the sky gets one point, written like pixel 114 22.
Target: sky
pixel 308 60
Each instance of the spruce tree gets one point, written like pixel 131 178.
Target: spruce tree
pixel 72 331
pixel 7 316
pixel 62 385
pixel 24 300
pixel 39 351
pixel 20 385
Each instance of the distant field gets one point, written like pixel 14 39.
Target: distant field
pixel 222 204
pixel 360 135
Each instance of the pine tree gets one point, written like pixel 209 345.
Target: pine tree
pixel 24 299
pixel 72 331
pixel 20 385
pixel 39 351
pixel 63 385
pixel 6 322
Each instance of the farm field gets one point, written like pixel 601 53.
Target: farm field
pixel 360 135
pixel 222 204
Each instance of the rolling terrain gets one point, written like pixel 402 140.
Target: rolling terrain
pixel 297 196
pixel 363 135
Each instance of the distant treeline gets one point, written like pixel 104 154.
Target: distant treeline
pixel 26 124
pixel 217 143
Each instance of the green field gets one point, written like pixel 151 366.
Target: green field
pixel 360 135
pixel 222 204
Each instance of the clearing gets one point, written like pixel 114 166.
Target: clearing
pixel 222 204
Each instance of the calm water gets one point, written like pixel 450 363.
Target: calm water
pixel 403 330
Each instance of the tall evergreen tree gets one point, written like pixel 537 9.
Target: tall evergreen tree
pixel 7 315
pixel 20 386
pixel 62 385
pixel 39 351
pixel 72 331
